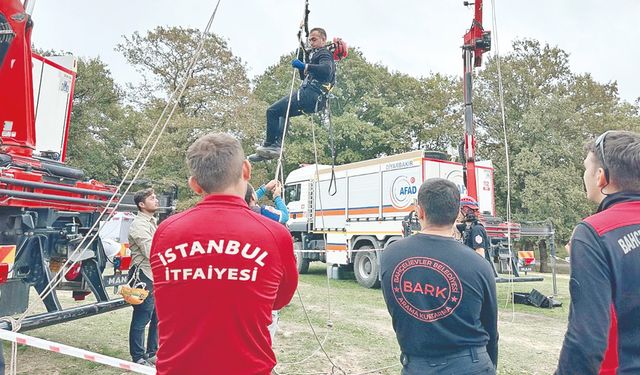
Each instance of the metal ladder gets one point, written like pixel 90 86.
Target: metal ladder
pixel 311 206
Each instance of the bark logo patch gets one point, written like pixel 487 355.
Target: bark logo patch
pixel 426 288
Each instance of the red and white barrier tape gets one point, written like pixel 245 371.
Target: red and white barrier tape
pixel 74 352
pixel 335 250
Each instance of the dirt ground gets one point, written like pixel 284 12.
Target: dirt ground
pixel 351 322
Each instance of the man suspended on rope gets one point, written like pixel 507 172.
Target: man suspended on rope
pixel 318 73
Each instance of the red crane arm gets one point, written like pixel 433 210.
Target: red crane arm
pixel 476 42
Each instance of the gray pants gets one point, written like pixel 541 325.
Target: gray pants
pixel 472 361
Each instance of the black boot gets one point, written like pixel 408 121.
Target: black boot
pixel 270 151
pixel 272 146
pixel 255 158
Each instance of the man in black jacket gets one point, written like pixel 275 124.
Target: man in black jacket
pixel 603 336
pixel 318 73
pixel 473 233
pixel 441 296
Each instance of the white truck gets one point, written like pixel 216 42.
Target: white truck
pixel 371 199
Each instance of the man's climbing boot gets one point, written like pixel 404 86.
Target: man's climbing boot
pixel 255 158
pixel 269 151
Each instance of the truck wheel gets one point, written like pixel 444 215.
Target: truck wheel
pixel 366 268
pixel 301 263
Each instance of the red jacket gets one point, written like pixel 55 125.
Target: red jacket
pixel 219 269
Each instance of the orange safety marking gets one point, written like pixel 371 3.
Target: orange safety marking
pixel 7 253
pixel 526 254
pixel 336 246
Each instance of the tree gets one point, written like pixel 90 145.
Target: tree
pixel 102 131
pixel 163 56
pixel 374 112
pixel 217 95
pixel 550 113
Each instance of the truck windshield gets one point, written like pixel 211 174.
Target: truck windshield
pixel 292 192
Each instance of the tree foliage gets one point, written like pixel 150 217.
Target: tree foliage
pixel 216 97
pixel 550 113
pixel 103 132
pixel 374 112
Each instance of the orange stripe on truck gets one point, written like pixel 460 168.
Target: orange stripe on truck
pixel 336 246
pixel 362 211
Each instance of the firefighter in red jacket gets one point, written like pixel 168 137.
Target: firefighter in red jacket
pixel 603 336
pixel 219 269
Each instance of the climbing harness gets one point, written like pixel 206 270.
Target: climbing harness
pixel 339 50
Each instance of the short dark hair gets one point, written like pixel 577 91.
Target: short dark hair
pixel 440 200
pixel 248 196
pixel 141 195
pixel 320 30
pixel 215 161
pixel 621 150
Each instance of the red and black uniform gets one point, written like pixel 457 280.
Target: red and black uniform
pixel 219 269
pixel 604 320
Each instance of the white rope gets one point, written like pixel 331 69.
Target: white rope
pixel 329 323
pixel 79 250
pixel 73 259
pixel 280 167
pixel 332 371
pixel 15 327
pixel 13 368
pixel 560 259
pixel 378 369
pixel 506 151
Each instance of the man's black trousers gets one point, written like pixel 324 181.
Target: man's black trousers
pixel 306 100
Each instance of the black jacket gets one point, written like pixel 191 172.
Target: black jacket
pixel 320 67
pixel 441 297
pixel 604 318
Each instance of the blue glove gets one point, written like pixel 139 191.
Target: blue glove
pixel 297 64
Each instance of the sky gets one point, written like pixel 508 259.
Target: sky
pixel 416 37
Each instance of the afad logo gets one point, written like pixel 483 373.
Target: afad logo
pixel 402 190
pixel 456 177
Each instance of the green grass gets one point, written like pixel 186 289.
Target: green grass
pixel 359 335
